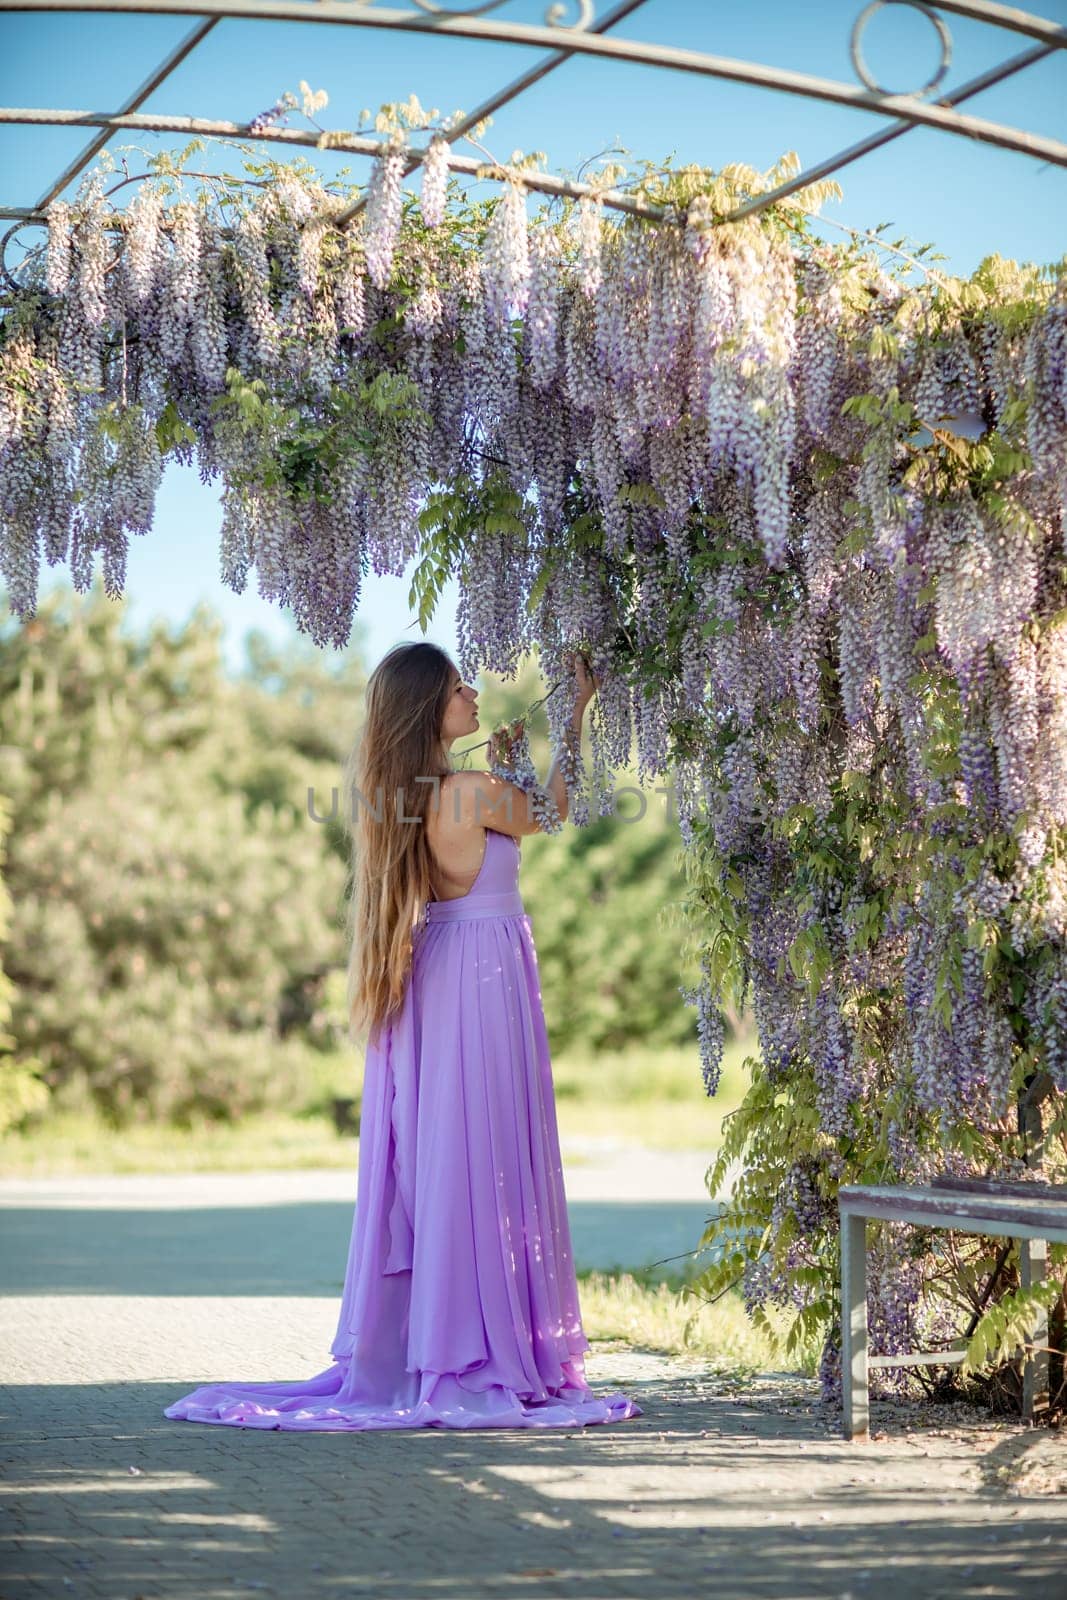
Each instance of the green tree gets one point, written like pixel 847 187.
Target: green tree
pixel 23 1092
pixel 170 893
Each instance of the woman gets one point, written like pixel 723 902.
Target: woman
pixel 460 1303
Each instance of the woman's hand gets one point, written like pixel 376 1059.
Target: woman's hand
pixel 588 682
pixel 502 741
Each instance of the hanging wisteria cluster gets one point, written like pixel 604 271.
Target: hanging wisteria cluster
pixel 806 519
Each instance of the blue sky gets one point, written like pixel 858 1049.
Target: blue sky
pixel 967 199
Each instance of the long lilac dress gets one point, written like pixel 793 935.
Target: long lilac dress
pixel 460 1304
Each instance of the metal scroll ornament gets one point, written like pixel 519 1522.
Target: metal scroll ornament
pixel 856 51
pixel 555 15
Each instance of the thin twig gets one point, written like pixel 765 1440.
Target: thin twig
pixel 533 707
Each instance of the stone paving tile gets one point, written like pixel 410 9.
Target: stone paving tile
pixel 721 1487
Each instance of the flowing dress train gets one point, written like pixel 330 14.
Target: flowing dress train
pixel 460 1303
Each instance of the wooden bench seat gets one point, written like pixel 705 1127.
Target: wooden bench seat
pixel 1034 1213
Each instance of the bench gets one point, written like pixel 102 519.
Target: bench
pixel 1033 1213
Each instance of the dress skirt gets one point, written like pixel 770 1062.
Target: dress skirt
pixel 460 1302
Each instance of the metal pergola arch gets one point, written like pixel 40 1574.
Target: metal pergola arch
pixel 586 34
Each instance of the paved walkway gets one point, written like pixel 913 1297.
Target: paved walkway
pixel 122 1293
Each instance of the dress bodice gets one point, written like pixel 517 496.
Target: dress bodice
pixel 495 890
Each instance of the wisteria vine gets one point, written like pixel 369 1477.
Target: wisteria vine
pixel 805 518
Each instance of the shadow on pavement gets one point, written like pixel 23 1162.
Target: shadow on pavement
pixel 723 1503
pixel 288 1249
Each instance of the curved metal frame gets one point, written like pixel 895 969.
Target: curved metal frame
pixel 944 38
pixel 584 35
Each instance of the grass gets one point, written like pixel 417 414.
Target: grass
pixel 73 1143
pixel 650 1098
pixel 649 1311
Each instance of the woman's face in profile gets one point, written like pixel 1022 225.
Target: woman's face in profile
pixel 461 712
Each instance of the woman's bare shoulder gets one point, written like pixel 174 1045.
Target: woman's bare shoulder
pixel 451 808
pixel 477 797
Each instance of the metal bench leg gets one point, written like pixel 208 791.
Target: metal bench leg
pixel 854 1325
pixel 1033 1259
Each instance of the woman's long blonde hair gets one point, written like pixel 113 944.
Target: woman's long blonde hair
pixel 390 878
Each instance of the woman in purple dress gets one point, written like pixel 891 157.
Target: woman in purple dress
pixel 460 1304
